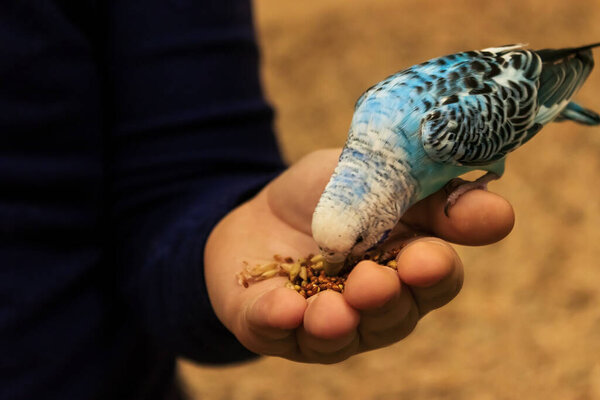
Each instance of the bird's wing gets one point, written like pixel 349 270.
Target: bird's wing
pixel 505 97
pixel 575 112
pixel 491 114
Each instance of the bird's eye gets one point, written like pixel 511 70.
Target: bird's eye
pixel 384 236
pixel 359 239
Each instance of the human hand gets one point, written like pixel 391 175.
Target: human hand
pixel 379 305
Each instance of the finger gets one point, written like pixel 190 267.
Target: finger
pixel 293 196
pixel 329 330
pixel 371 286
pixel 327 351
pixel 269 321
pixel 388 312
pixel 380 332
pixel 478 217
pixel 433 271
pixel 328 316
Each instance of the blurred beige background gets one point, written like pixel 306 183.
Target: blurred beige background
pixel 527 322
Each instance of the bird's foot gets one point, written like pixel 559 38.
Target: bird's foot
pixel 457 187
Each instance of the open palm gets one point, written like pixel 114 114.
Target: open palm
pixel 379 305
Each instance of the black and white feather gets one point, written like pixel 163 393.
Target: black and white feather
pixel 507 95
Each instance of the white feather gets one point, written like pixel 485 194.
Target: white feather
pixel 506 48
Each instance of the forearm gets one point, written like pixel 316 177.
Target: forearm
pixel 190 139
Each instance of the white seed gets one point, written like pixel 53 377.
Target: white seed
pixel 287 267
pixel 303 273
pixel 269 274
pixel 317 258
pixel 294 271
pixel 260 269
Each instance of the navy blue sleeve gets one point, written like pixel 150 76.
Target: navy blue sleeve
pixel 190 137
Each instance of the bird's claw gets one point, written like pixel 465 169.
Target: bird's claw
pixel 457 187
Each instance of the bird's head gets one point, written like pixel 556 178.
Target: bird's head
pixel 336 238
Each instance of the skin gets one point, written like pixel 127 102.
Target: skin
pixel 379 306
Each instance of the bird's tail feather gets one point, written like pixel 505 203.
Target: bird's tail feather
pixel 575 112
pixel 563 73
pixel 557 55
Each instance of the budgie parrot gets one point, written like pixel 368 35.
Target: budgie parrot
pixel 419 128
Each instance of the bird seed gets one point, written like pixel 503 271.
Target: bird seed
pixel 307 275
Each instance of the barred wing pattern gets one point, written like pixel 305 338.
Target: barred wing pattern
pixel 506 96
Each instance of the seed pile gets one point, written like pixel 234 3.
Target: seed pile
pixel 306 275
pixel 312 278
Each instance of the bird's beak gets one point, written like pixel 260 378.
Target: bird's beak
pixel 334 263
pixel 332 268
